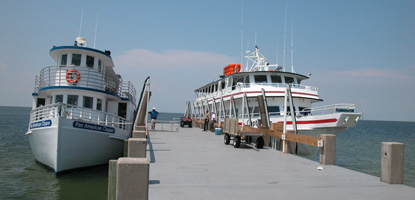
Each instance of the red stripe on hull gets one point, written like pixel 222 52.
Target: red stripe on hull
pixel 320 121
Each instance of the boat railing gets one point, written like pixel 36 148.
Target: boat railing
pixel 329 109
pixel 78 113
pixel 91 78
pixel 164 125
pixel 276 85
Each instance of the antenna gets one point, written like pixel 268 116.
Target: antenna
pixel 96 27
pixel 242 31
pixel 277 50
pixel 285 33
pixel 80 26
pixel 292 48
pixel 255 39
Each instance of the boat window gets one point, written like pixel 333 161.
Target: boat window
pixel 59 98
pixel 99 65
pixel 64 59
pixel 73 100
pixel 40 102
pixel 256 111
pixel 289 79
pixel 90 61
pixel 260 78
pixel 223 85
pixel 99 104
pixel 273 110
pixel 304 111
pixel 246 80
pixel 276 79
pixel 76 59
pixel 88 102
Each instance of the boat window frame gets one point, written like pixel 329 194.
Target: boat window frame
pixel 90 101
pixel 279 78
pixel 70 101
pixel 75 60
pixel 289 78
pixel 88 61
pixel 99 104
pixel 261 81
pixel 64 59
pixel 56 98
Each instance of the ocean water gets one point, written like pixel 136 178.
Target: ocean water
pixel 21 177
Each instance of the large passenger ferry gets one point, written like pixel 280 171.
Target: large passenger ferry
pixel 82 110
pixel 234 95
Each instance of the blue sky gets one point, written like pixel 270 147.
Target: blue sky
pixel 360 52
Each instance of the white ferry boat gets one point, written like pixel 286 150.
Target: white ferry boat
pixel 234 95
pixel 82 110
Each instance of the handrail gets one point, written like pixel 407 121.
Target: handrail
pixel 239 86
pixel 94 79
pixel 74 112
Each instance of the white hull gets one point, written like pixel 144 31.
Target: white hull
pixel 64 147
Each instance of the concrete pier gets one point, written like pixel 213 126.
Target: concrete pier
pixel 192 164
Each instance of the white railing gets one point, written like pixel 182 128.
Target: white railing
pixel 268 86
pixel 78 113
pixel 276 85
pixel 168 126
pixel 329 109
pixel 89 78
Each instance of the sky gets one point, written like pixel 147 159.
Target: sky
pixel 359 52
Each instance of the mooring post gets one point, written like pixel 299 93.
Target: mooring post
pixel 392 162
pixel 137 147
pixel 132 178
pixel 328 151
pixel 112 179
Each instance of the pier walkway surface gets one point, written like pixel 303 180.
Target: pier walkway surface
pixel 192 164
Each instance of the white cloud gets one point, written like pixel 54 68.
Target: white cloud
pixel 180 59
pixel 175 74
pixel 3 66
pixel 377 73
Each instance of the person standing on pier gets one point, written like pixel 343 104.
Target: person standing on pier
pixel 212 121
pixel 206 124
pixel 154 115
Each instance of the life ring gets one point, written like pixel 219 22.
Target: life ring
pixel 72 76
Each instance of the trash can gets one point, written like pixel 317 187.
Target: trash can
pixel 218 131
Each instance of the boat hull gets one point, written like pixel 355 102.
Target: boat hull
pixel 63 146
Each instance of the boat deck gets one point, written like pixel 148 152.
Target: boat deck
pixel 193 164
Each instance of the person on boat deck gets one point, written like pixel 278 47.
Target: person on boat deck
pixel 206 124
pixel 154 115
pixel 212 121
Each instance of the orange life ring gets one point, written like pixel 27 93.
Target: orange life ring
pixel 70 76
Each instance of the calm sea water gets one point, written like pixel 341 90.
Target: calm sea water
pixel 21 177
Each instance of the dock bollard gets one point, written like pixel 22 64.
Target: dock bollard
pixel 139 134
pixel 137 147
pixel 391 170
pixel 132 178
pixel 328 152
pixel 112 179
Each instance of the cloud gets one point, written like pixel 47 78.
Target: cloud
pixel 180 59
pixel 3 66
pixel 377 73
pixel 175 74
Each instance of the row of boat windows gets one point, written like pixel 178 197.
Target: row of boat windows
pixel 272 110
pixel 77 58
pixel 73 100
pixel 258 79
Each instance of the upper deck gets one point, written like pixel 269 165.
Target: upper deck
pixel 80 67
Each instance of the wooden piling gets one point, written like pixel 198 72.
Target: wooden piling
pixel 328 152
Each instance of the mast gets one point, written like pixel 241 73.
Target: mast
pixel 292 49
pixel 285 33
